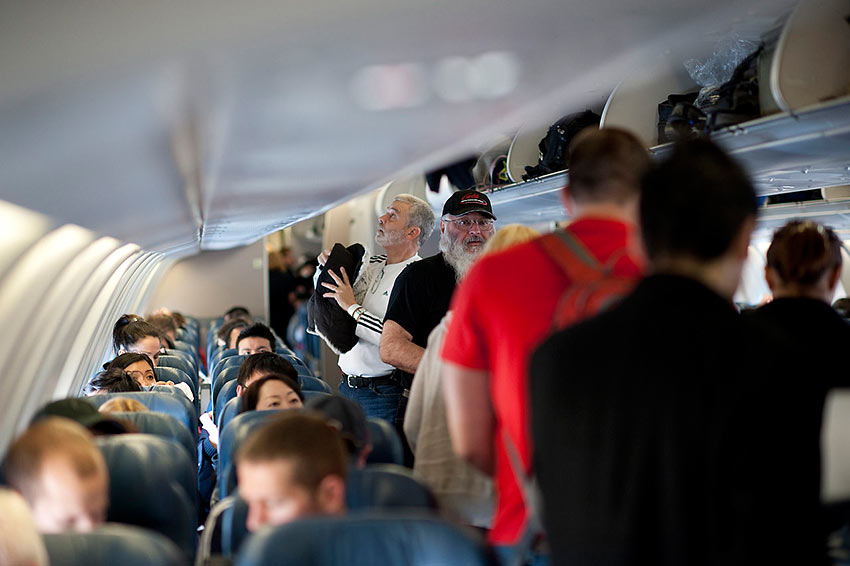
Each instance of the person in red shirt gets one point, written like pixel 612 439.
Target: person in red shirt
pixel 505 306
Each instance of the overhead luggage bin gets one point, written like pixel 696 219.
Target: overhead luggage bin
pixel 811 62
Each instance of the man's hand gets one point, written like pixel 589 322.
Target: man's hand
pixel 342 291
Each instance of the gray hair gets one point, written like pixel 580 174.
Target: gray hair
pixel 419 214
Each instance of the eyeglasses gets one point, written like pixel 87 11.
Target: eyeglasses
pixel 465 224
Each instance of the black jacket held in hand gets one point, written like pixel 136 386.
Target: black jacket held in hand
pixel 325 318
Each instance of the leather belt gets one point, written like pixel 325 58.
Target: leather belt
pixel 359 382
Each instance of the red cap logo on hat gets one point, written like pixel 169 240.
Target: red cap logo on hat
pixel 464 202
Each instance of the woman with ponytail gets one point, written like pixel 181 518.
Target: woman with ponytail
pixel 133 334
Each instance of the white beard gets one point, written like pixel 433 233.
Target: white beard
pixel 458 256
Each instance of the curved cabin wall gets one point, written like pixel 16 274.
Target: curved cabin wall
pixel 61 289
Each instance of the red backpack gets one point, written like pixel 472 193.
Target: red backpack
pixel 593 286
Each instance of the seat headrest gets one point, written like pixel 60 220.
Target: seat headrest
pixel 386 486
pixel 389 540
pixel 152 484
pixel 309 383
pixel 164 426
pixel 227 392
pixel 386 445
pixel 113 544
pixel 166 400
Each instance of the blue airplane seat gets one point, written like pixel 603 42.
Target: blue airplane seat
pixel 227 392
pixel 386 539
pixel 219 356
pixel 230 410
pixel 227 374
pixel 113 544
pixel 152 484
pixel 189 350
pixel 188 335
pixel 233 434
pixel 228 362
pixel 386 445
pixel 165 400
pixel 311 394
pixel 164 373
pixel 184 356
pixel 163 426
pixel 386 486
pixel 180 363
pixel 309 383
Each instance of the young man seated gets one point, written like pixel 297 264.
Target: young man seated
pixel 61 474
pixel 254 339
pixel 259 365
pixel 293 467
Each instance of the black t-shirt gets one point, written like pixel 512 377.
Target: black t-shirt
pixel 661 435
pixel 421 297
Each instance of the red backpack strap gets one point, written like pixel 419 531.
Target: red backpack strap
pixel 571 256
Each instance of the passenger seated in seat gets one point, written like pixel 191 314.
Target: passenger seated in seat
pixel 272 392
pixel 61 474
pixel 84 413
pixel 166 325
pixel 122 405
pixel 141 368
pixel 237 312
pixel 229 332
pixel 113 380
pixel 255 339
pixel 293 467
pixel 133 334
pixel 258 365
pixel 349 417
pixel 20 543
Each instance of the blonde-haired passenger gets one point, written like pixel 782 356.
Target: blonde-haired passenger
pixel 20 543
pixel 123 405
pixel 57 468
pixel 464 493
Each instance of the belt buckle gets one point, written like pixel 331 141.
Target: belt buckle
pixel 357 382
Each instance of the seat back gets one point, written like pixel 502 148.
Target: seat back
pixel 113 544
pixel 225 375
pixel 312 394
pixel 179 376
pixel 230 410
pixel 218 357
pixel 230 438
pixel 389 540
pixel 164 426
pixel 227 392
pixel 178 362
pixel 166 400
pixel 386 486
pixel 309 383
pixel 152 484
pixel 386 445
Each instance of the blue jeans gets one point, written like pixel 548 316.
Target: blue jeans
pixel 379 401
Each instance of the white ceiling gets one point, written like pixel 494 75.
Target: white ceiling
pixel 189 125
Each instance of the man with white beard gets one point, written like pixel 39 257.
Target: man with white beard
pixel 423 291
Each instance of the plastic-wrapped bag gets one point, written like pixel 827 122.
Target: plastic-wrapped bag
pixel 717 69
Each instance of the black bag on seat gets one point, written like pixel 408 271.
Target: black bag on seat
pixel 325 318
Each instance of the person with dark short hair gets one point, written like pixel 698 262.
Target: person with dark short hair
pixel 293 467
pixel 237 312
pixel 273 391
pixel 229 332
pixel 255 339
pixel 506 305
pixel 659 425
pixel 258 365
pixel 114 380
pixel 351 419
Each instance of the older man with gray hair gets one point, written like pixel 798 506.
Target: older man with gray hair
pixel 402 229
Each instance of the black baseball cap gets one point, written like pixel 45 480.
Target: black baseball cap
pixel 464 202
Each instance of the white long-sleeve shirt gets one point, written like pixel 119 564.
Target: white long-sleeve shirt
pixel 372 290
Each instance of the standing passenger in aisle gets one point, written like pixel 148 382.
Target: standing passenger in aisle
pixel 424 291
pixel 505 306
pixel 405 226
pixel 658 426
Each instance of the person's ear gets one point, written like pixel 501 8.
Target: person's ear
pixel 239 390
pixel 834 277
pixel 413 232
pixel 741 243
pixel 771 277
pixel 330 495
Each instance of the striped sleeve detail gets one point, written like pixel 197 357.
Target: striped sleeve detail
pixel 371 322
pixel 377 258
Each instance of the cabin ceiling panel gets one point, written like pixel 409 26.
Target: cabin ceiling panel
pixel 189 125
